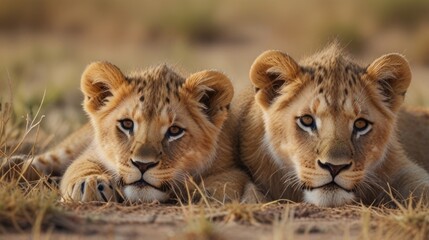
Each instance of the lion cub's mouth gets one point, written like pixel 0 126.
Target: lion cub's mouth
pixel 142 184
pixel 332 186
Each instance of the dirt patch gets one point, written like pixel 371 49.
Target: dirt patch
pixel 231 221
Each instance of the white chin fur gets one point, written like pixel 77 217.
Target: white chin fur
pixel 331 198
pixel 146 194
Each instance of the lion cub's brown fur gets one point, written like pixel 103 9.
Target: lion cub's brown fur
pixel 150 132
pixel 324 130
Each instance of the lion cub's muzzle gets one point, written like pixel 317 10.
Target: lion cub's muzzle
pixel 334 169
pixel 143 166
pixel 145 156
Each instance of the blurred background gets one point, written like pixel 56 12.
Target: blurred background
pixel 46 44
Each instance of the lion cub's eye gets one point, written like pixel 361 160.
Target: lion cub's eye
pixel 174 132
pixel 126 125
pixel 362 126
pixel 306 123
pixel 307 120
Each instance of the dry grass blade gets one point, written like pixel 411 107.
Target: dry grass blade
pixel 410 222
pixel 32 206
pixel 26 204
pixel 199 227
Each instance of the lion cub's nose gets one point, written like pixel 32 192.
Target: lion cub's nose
pixel 143 166
pixel 333 169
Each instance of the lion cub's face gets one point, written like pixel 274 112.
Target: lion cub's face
pixel 329 121
pixel 154 128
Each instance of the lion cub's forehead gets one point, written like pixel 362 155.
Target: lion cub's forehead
pixel 155 89
pixel 336 79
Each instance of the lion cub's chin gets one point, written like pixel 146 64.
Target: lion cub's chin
pixel 328 198
pixel 144 194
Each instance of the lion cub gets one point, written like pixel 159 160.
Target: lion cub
pixel 323 131
pixel 149 132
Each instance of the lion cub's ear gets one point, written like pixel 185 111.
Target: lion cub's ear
pixel 213 91
pixel 392 76
pixel 99 81
pixel 270 71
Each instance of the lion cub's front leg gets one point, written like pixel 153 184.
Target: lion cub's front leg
pixel 86 181
pixel 51 163
pixel 411 181
pixel 231 185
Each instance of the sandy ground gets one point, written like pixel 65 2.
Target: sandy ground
pixel 276 221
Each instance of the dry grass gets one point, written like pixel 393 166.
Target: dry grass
pixel 32 206
pixel 24 204
pixel 406 222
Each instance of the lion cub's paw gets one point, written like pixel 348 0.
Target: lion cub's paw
pixel 251 194
pixel 92 188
